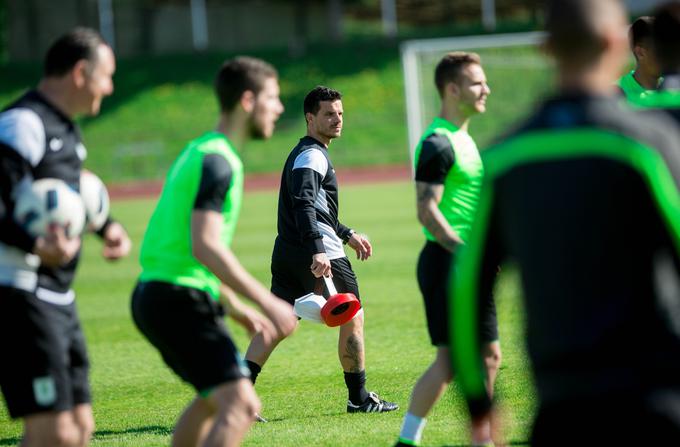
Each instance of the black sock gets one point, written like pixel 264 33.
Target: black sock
pixel 254 370
pixel 356 386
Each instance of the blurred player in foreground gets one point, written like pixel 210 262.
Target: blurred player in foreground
pixel 188 267
pixel 584 199
pixel 47 383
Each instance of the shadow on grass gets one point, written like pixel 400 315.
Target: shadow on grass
pixel 153 429
pixel 311 416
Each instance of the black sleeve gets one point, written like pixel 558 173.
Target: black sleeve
pixel 102 231
pixel 215 181
pixel 435 160
pixel 474 277
pixel 344 232
pixel 303 190
pixel 13 169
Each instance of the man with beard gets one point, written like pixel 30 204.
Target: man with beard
pixel 188 268
pixel 310 242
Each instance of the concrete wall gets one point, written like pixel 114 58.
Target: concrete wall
pixel 141 29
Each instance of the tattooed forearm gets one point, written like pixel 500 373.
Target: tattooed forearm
pixel 353 351
pixel 428 198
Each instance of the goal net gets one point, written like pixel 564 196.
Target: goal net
pixel 517 73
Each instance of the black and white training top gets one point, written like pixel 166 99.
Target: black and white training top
pixel 308 202
pixel 36 141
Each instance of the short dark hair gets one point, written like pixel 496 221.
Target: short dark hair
pixel 574 28
pixel 238 75
pixel 666 36
pixel 451 66
pixel 640 31
pixel 318 94
pixel 76 45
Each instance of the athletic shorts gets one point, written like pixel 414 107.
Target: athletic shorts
pixel 434 266
pixel 292 278
pixel 187 326
pixel 45 364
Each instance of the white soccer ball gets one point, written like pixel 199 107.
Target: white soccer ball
pixel 96 200
pixel 48 202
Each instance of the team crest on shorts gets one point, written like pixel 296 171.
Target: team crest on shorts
pixel 44 390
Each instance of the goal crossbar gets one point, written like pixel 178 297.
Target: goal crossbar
pixel 412 82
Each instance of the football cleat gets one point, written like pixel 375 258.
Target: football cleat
pixel 372 404
pixel 259 418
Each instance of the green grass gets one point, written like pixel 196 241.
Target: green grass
pixel 136 398
pixel 161 103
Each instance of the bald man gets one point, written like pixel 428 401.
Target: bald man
pixel 583 198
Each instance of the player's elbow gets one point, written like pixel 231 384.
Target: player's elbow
pixel 200 249
pixel 424 214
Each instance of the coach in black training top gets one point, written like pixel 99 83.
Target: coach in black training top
pixel 47 382
pixel 584 199
pixel 310 241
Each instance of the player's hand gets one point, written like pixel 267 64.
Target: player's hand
pixel 253 322
pixel 361 245
pixel 321 265
pixel 116 242
pixel 281 316
pixel 56 248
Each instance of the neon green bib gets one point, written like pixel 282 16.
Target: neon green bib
pixel 463 182
pixel 166 253
pixel 660 99
pixel 631 88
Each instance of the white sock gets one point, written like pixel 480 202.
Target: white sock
pixel 412 428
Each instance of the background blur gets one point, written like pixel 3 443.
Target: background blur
pixel 169 51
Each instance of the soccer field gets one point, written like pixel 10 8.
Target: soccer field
pixel 137 399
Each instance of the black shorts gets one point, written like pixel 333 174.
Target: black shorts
pixel 434 265
pixel 187 326
pixel 45 364
pixel 292 278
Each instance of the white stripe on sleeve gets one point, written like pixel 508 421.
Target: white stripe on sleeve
pixel 23 130
pixel 312 159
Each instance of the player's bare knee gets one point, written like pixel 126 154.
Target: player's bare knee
pixel 86 429
pixel 444 371
pixel 355 326
pixel 53 430
pixel 63 435
pixel 492 357
pixel 240 408
pixel 442 365
pixel 235 397
pixel 358 320
pixel 84 420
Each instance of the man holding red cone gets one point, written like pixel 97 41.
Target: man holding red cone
pixel 309 244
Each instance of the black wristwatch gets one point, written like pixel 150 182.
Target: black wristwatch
pixel 347 237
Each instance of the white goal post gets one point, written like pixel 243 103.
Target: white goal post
pixel 410 51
